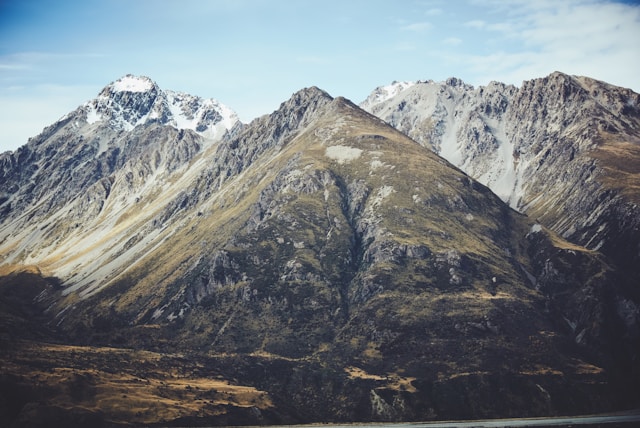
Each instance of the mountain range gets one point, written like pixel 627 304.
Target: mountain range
pixel 562 149
pixel 438 252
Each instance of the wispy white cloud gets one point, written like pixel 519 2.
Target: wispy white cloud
pixel 476 23
pixel 404 47
pixel 452 41
pixel 13 67
pixel 417 27
pixel 19 65
pixel 32 57
pixel 434 11
pixel 574 36
pixel 506 28
pixel 313 59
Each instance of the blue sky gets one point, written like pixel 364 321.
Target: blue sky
pixel 252 54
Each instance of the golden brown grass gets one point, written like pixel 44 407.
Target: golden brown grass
pixel 620 161
pixel 392 381
pixel 135 387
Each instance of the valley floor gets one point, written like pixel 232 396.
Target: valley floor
pixel 46 384
pixel 60 385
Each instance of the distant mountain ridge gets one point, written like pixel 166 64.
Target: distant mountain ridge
pixel 562 149
pixel 132 100
pixel 313 265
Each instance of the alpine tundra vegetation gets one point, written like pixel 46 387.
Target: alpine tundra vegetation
pixel 438 252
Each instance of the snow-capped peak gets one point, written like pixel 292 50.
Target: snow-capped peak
pixel 384 93
pixel 135 100
pixel 131 83
pixel 205 116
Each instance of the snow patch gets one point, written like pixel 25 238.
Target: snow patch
pixel 599 245
pixel 384 93
pixel 375 164
pixel 131 83
pixel 92 115
pixel 383 192
pixel 229 117
pixel 190 112
pixel 158 312
pixel 536 228
pixel 343 154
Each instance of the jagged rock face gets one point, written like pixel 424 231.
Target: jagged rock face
pixel 132 100
pixel 326 258
pixel 88 144
pixel 86 174
pixel 560 149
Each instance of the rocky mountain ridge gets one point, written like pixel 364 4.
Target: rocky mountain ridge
pixel 315 258
pixel 131 101
pixel 72 184
pixel 562 149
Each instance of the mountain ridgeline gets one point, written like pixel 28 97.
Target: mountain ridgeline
pixel 562 149
pixel 164 263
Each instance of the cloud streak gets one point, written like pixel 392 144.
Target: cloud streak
pixel 574 36
pixel 452 41
pixel 417 27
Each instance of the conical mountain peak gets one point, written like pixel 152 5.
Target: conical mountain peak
pixel 311 97
pixel 310 93
pixel 126 103
pixel 292 115
pixel 119 93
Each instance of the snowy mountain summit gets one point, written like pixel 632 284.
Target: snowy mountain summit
pixel 135 100
pixel 385 93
